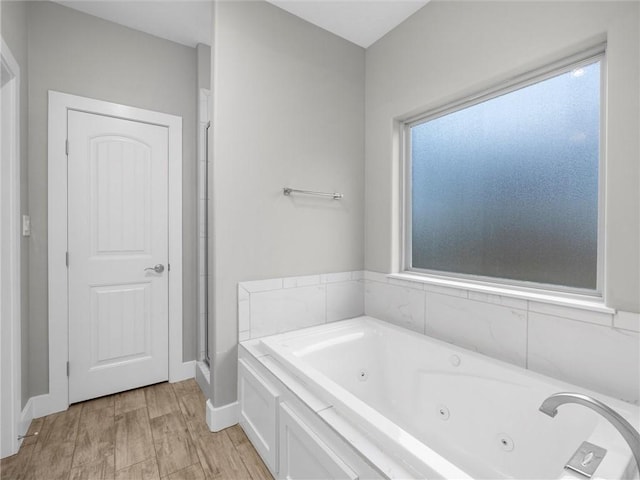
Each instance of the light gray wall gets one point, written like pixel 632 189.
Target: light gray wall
pixel 14 33
pixel 75 53
pixel 204 66
pixel 449 49
pixel 288 111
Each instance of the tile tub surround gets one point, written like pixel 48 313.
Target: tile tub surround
pixel 600 351
pixel 279 305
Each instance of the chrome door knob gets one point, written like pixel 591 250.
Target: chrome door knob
pixel 159 268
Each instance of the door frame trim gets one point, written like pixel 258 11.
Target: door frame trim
pixel 11 387
pixel 59 104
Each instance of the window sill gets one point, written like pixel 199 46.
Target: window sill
pixel 575 301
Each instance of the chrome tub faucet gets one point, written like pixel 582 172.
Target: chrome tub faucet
pixel 630 434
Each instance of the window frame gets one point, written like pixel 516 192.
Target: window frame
pixel 550 70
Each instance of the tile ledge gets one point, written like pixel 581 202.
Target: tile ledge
pixel 583 304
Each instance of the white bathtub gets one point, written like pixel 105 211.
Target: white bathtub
pixel 445 411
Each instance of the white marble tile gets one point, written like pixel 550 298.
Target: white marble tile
pixel 510 302
pixel 289 282
pixel 627 320
pixel 600 358
pixel 244 309
pixel 494 330
pixel 305 281
pixel 242 336
pixel 442 290
pixel 579 314
pixel 357 275
pixel 335 277
pixel 375 276
pixel 405 283
pixel 287 309
pixel 345 300
pixel 243 294
pixel 395 304
pixel 267 308
pixel 303 307
pixel 262 285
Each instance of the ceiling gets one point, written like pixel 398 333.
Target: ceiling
pixel 183 21
pixel 359 21
pixel 189 21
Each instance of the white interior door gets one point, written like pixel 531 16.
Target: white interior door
pixel 117 231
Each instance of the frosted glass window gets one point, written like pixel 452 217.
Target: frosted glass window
pixel 508 188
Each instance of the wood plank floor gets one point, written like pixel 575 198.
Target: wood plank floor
pixel 156 432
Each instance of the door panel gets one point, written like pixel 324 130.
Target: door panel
pixel 118 226
pixel 121 203
pixel 120 312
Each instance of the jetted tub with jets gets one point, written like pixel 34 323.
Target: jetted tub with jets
pixel 437 410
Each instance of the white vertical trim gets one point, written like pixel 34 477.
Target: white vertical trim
pixel 59 104
pixel 10 358
pixel 57 246
pixel 174 124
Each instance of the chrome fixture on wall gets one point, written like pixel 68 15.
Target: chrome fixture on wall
pixel 288 191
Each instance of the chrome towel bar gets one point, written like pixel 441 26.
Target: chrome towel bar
pixel 288 191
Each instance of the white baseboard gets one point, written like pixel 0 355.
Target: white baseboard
pixel 22 425
pixel 203 378
pixel 219 418
pixel 185 371
pixel 44 405
pixel 36 407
